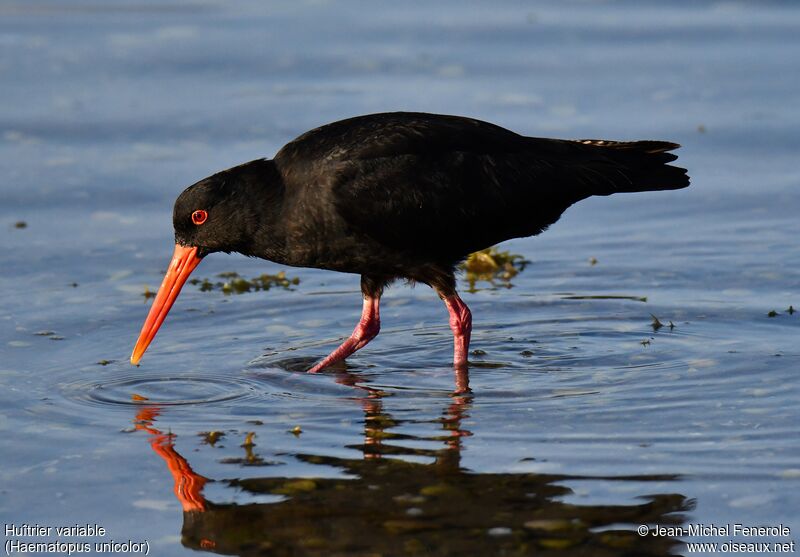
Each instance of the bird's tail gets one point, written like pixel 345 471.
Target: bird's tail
pixel 641 165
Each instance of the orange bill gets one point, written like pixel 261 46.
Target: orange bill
pixel 184 260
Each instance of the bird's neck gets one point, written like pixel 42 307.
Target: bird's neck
pixel 264 228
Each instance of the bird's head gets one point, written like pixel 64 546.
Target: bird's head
pixel 218 213
pixel 213 214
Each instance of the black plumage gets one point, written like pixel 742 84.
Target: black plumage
pixel 408 195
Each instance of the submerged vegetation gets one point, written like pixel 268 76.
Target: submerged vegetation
pixel 49 334
pixel 233 283
pixel 790 310
pixel 490 265
pixel 211 437
pixel 606 297
pixel 493 266
pixel 657 324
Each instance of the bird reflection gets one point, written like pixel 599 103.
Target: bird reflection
pixel 188 484
pixel 389 503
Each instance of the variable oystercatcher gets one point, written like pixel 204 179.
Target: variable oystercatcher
pixel 398 195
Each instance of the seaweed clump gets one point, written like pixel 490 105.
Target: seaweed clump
pixel 233 283
pixel 491 265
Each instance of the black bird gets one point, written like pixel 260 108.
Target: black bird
pixel 398 195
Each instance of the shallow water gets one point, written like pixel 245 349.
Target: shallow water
pixel 583 422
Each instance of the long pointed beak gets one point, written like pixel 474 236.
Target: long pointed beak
pixel 184 260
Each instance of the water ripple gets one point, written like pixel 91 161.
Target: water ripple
pixel 162 391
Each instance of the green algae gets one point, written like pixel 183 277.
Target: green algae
pixel 233 283
pixel 493 266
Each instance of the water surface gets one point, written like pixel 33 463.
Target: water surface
pixel 582 421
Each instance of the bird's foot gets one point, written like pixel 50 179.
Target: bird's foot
pixel 367 329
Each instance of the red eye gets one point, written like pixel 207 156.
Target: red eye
pixel 199 217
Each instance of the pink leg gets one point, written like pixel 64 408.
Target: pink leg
pixel 461 324
pixel 367 329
